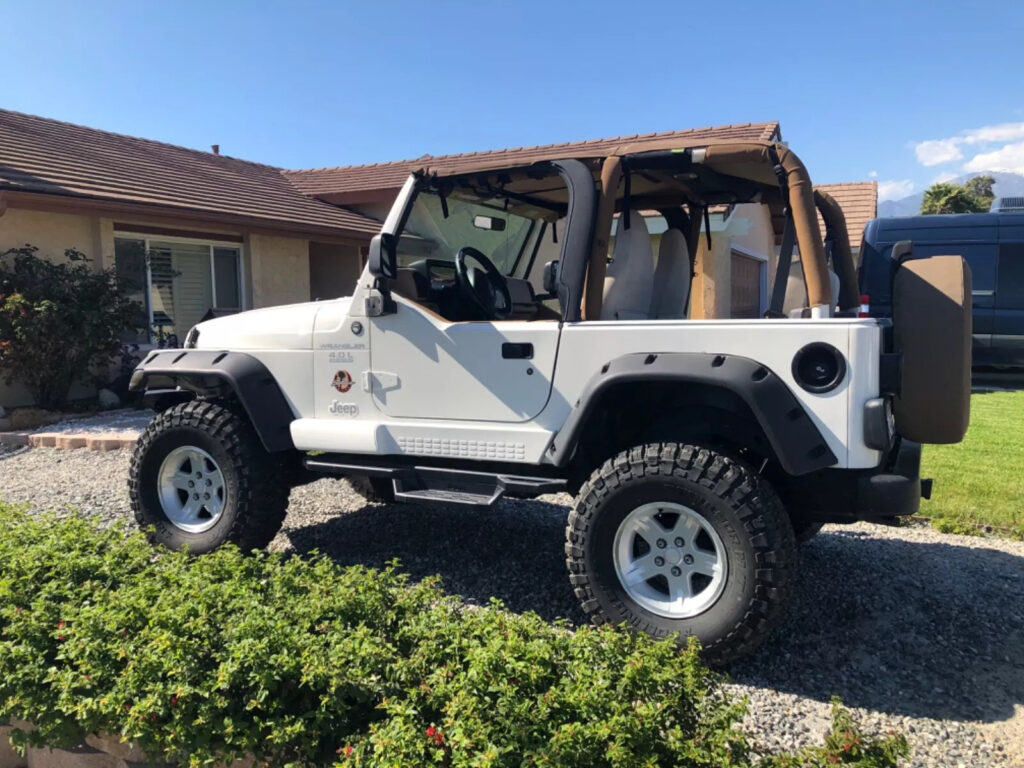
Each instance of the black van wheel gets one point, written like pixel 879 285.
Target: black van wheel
pixel 681 540
pixel 200 478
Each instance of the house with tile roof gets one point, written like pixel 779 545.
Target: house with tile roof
pixel 199 231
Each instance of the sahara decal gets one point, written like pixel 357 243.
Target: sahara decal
pixel 342 381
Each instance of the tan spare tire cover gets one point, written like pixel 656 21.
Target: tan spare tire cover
pixel 931 310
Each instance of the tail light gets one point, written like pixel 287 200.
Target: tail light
pixel 865 305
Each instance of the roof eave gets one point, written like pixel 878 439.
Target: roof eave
pixel 43 201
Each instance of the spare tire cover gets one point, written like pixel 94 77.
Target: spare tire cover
pixel 931 309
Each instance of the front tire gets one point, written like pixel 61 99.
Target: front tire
pixel 200 478
pixel 682 540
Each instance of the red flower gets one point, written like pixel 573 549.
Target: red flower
pixel 174 701
pixel 60 637
pixel 431 731
pixel 18 609
pixel 346 750
pixel 60 625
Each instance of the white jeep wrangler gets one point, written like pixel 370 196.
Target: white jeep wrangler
pixel 467 365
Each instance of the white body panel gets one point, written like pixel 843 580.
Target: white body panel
pixel 425 367
pixel 411 383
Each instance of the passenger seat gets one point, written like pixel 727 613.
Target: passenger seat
pixel 795 304
pixel 671 278
pixel 629 280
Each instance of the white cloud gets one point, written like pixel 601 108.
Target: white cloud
pixel 894 190
pixel 1009 157
pixel 938 151
pixel 943 177
pixel 872 174
pixel 995 133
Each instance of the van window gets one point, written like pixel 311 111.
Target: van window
pixel 981 258
pixel 1010 293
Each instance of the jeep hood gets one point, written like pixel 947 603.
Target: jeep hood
pixel 285 327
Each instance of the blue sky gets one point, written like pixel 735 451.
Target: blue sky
pixel 911 91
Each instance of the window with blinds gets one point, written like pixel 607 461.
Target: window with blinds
pixel 180 281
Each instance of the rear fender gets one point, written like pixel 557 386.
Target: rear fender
pixel 794 438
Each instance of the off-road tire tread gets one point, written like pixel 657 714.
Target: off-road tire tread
pixel 757 505
pixel 263 489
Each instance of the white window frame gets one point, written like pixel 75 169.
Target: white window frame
pixel 211 243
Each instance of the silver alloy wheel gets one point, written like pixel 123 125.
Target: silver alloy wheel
pixel 191 489
pixel 670 560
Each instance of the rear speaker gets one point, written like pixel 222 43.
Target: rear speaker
pixel 819 368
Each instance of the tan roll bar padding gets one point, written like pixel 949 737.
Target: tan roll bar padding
pixel 611 174
pixel 842 255
pixel 751 161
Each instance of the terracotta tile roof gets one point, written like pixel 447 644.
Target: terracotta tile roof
pixel 347 182
pixel 42 155
pixel 859 201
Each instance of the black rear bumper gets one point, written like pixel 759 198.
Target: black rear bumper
pixel 844 496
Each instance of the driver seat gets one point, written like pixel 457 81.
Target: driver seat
pixel 629 280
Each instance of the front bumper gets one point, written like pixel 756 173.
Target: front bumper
pixel 893 489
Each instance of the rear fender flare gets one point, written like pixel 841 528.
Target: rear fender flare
pixel 795 439
pixel 209 372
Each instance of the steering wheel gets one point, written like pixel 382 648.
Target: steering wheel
pixel 486 288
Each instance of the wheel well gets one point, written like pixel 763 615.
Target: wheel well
pixel 634 413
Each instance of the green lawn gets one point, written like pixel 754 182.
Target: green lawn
pixel 980 482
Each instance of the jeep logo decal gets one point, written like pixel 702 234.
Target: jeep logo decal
pixel 343 409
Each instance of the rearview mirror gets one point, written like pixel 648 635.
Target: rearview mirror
pixel 383 255
pixel 492 223
pixel 550 277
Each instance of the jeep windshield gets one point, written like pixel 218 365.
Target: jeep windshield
pixel 437 230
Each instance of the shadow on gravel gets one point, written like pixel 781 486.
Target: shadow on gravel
pixel 513 552
pixel 892 625
pixel 926 629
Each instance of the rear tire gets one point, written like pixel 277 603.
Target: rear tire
pixel 200 478
pixel 698 507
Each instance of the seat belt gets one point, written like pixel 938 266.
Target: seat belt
pixel 788 241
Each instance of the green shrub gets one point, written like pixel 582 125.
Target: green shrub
pixel 58 321
pixel 298 661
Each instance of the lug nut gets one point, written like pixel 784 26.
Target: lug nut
pixel 209 483
pixel 199 474
pixel 191 484
pixel 662 544
pixel 195 496
pixel 688 559
pixel 675 570
pixel 659 561
pixel 679 541
pixel 206 496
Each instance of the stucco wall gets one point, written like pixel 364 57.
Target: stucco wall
pixel 51 233
pixel 279 269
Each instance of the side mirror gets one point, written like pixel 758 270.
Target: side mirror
pixel 383 258
pixel 550 277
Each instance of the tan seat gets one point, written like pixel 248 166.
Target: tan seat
pixel 796 291
pixel 629 280
pixel 671 278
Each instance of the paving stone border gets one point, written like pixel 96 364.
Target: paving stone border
pixel 102 441
pixel 102 751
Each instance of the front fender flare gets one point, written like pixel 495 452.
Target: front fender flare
pixel 209 372
pixel 796 440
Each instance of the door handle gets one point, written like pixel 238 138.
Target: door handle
pixel 517 351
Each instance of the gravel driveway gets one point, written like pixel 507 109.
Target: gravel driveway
pixel 916 630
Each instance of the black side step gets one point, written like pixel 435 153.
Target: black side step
pixel 443 484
